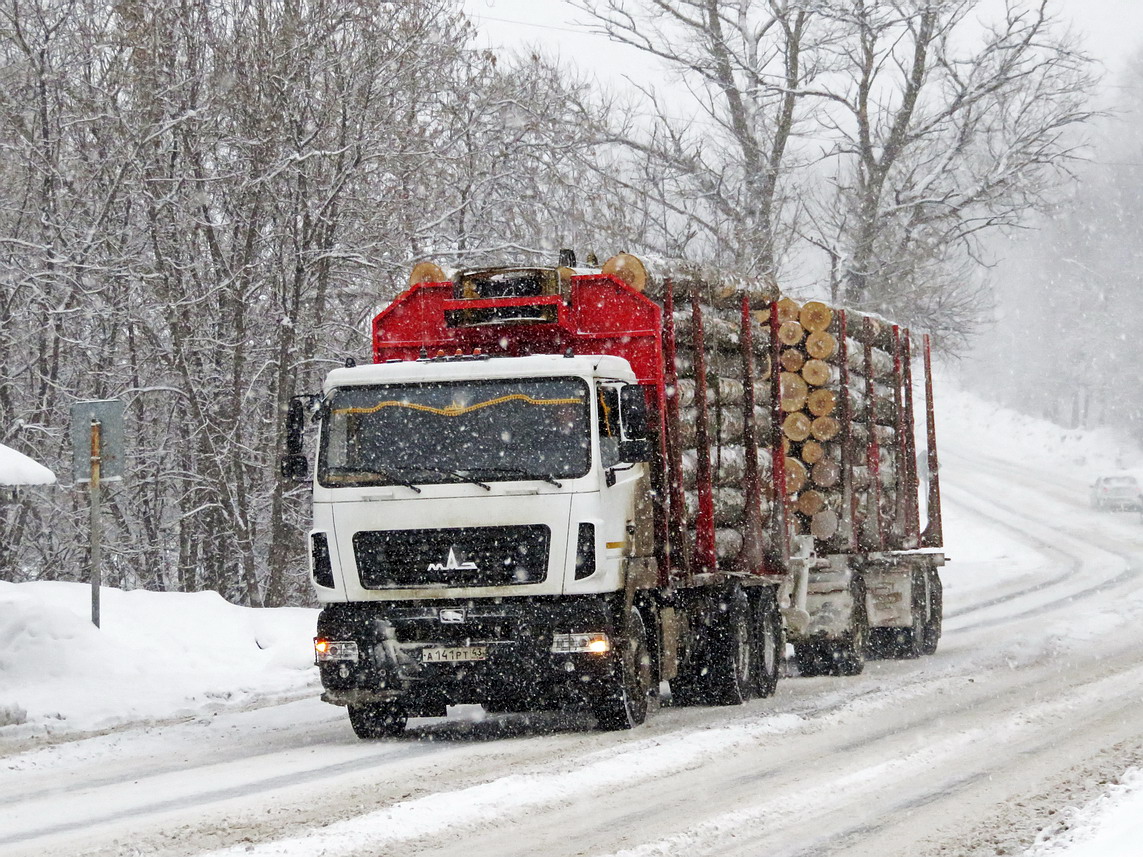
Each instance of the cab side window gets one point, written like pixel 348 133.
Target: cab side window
pixel 607 403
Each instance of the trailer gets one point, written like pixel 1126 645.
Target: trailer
pixel 580 487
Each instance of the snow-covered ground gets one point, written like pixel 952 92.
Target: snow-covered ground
pixel 172 677
pixel 156 656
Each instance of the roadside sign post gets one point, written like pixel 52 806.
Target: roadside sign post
pixel 97 457
pixel 96 524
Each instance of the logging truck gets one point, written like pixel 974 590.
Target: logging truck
pixel 559 486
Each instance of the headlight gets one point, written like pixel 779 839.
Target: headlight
pixel 335 650
pixel 592 644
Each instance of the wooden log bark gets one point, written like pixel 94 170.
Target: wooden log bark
pixel 817 373
pixel 792 359
pixel 815 316
pixel 821 402
pixel 821 344
pixel 825 428
pixel 796 426
pixel 794 392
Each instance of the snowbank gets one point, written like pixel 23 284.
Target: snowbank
pixel 1011 436
pixel 17 469
pixel 156 656
pixel 1110 826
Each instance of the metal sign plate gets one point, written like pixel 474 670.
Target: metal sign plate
pixel 109 414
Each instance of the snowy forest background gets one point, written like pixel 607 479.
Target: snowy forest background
pixel 202 204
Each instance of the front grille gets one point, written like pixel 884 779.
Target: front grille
pixel 454 557
pixel 431 630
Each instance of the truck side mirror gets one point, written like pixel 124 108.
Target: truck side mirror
pixel 635 450
pixel 294 468
pixel 293 465
pixel 633 413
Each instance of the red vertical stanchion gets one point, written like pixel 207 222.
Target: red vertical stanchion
pixel 912 487
pixel 900 472
pixel 752 557
pixel 779 514
pixel 873 451
pixel 848 457
pixel 705 554
pixel 933 537
pixel 677 521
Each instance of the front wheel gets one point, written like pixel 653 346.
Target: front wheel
pixel 621 703
pixel 377 720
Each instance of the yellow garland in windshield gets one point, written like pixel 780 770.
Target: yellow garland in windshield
pixel 458 410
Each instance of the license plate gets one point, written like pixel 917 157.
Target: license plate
pixel 454 654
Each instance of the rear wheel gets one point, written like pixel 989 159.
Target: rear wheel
pixel 771 644
pixel 621 703
pixel 732 654
pixel 849 657
pixel 812 659
pixel 377 720
pixel 932 633
pixel 908 643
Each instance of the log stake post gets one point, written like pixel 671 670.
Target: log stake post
pixel 933 536
pixel 848 495
pixel 678 553
pixel 900 510
pixel 752 559
pixel 705 555
pixel 912 486
pixel 779 511
pixel 873 452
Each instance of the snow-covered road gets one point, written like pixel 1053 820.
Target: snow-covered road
pixel 1034 698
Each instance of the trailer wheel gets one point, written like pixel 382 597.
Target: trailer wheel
pixel 733 650
pixel 932 633
pixel 377 720
pixel 621 703
pixel 908 643
pixel 771 644
pixel 812 659
pixel 849 657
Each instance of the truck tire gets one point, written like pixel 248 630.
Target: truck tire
pixel 848 658
pixel 621 703
pixel 812 659
pixel 932 633
pixel 377 720
pixel 733 653
pixel 908 643
pixel 771 644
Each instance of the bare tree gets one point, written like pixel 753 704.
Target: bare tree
pixel 941 132
pixel 904 129
pixel 727 175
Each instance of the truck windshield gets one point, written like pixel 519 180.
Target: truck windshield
pixel 461 431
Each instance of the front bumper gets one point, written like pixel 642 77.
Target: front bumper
pixel 520 671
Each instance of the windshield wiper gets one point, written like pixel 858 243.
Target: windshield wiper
pixel 383 473
pixel 462 475
pixel 520 471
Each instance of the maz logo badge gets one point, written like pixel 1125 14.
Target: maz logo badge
pixel 452 564
pixel 451 615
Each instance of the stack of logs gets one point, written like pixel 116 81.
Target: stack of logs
pixel 839 415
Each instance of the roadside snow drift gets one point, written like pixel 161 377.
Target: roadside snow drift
pixel 156 656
